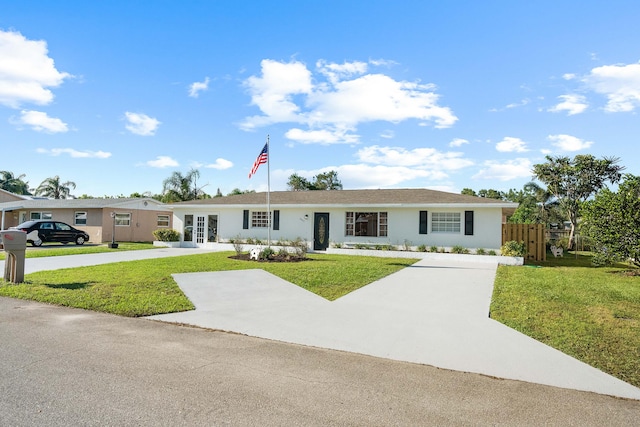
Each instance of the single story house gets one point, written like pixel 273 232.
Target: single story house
pixel 410 217
pixel 133 219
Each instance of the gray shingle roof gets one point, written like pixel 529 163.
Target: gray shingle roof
pixel 71 203
pixel 416 196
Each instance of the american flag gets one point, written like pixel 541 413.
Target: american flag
pixel 262 159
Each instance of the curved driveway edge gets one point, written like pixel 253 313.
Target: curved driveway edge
pixel 433 313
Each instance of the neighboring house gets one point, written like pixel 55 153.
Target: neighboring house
pixel 134 219
pixel 390 216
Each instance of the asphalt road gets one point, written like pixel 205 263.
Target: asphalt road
pixel 61 367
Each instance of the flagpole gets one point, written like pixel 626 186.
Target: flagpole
pixel 268 194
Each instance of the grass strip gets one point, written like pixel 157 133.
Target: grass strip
pixel 144 288
pixel 57 249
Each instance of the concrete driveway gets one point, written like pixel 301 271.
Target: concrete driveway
pixel 434 313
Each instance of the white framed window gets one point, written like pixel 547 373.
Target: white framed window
pixel 259 219
pixel 80 218
pixel 123 219
pixel 41 215
pixel 371 224
pixel 163 221
pixel 445 222
pixel 350 224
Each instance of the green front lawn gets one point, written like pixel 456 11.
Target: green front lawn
pixel 592 314
pixel 143 288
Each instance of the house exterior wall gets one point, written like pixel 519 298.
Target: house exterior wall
pixel 403 225
pixel 142 224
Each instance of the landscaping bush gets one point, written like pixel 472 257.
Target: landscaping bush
pixel 267 253
pixel 237 244
pixel 457 249
pixel 422 248
pixel 433 249
pixel 513 248
pixel 300 246
pixel 166 235
pixel 481 251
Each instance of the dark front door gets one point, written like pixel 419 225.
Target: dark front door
pixel 320 231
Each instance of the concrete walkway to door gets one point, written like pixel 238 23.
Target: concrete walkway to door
pixel 434 313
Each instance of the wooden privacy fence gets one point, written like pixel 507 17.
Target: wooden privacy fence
pixel 533 235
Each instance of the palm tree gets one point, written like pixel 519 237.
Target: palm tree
pixel 547 203
pixel 53 188
pixel 13 184
pixel 180 188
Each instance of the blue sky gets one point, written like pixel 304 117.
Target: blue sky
pixel 116 96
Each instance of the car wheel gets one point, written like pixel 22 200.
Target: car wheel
pixel 80 240
pixel 36 243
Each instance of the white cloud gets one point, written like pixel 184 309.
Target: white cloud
pixel 420 158
pixel 388 167
pixel 381 176
pixel 619 83
pixel 512 105
pixel 337 72
pixel 505 171
pixel 572 104
pixel 373 176
pixel 387 134
pixel 568 76
pixel 323 136
pixel 196 87
pixel 510 144
pixel 332 109
pixel 458 142
pixel 74 153
pixel 41 122
pixel 518 104
pixel 162 162
pixel 141 124
pixel 376 97
pixel 273 92
pixel 220 164
pixel 569 143
pixel 26 71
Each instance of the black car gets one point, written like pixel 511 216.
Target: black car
pixel 42 231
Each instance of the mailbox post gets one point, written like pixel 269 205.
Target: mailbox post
pixel 15 245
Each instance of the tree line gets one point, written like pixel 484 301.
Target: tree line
pixel 178 187
pixel 52 187
pixel 577 192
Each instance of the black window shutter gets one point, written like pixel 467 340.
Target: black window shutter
pixel 276 220
pixel 423 222
pixel 245 220
pixel 468 223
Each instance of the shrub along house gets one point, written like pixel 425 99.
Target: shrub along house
pixel 134 219
pixel 410 217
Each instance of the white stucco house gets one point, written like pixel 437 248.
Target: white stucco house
pixel 389 216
